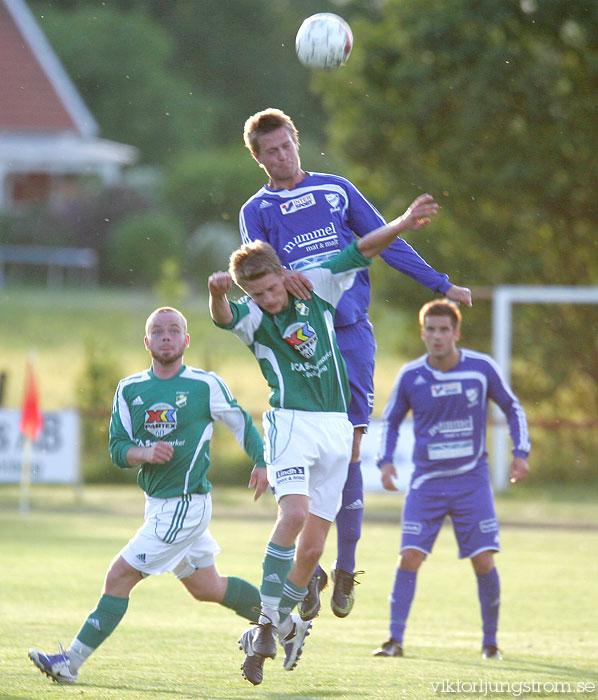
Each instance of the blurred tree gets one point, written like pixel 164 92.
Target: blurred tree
pixel 121 64
pixel 210 185
pixel 494 113
pixel 140 244
pixel 169 75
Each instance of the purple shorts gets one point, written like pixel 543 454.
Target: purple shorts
pixel 358 348
pixel 467 499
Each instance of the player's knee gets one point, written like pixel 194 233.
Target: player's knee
pixel 293 516
pixel 483 563
pixel 120 578
pixel 356 449
pixel 411 559
pixel 206 589
pixel 311 553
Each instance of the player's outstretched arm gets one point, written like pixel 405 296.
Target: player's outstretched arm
pixel 415 217
pixel 219 284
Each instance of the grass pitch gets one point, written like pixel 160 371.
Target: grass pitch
pixel 169 647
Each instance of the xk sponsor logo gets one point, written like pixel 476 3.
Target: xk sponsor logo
pixel 301 337
pixel 160 419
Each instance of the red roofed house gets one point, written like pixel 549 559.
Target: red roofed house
pixel 46 131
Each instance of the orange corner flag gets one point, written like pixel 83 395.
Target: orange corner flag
pixel 32 420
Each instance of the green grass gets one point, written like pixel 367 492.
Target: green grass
pixel 56 326
pixel 169 647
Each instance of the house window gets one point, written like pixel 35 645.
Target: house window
pixel 30 188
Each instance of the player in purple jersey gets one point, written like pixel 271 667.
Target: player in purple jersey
pixel 447 391
pixel 307 218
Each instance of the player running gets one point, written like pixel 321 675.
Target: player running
pixel 162 420
pixel 448 391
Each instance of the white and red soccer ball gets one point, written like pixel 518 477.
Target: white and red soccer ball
pixel 324 41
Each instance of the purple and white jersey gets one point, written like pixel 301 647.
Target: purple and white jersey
pixel 450 413
pixel 314 221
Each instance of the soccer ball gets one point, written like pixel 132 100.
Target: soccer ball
pixel 324 41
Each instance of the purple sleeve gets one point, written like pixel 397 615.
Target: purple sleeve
pixel 395 411
pixel 364 217
pixel 402 257
pixel 500 392
pixel 250 225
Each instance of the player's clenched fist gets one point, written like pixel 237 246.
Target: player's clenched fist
pixel 160 453
pixel 220 283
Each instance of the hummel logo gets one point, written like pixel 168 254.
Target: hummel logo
pixel 138 401
pixel 264 204
pixel 272 578
pixel 419 380
pixel 356 505
pixel 141 557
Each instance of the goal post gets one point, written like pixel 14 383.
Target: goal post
pixel 503 299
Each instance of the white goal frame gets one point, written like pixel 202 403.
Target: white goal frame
pixel 503 298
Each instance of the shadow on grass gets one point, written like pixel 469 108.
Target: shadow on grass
pixel 163 690
pixel 568 674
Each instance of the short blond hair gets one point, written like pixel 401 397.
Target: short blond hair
pixel 265 122
pixel 440 307
pixel 162 309
pixel 252 261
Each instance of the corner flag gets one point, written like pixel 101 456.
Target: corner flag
pixel 32 420
pixel 31 424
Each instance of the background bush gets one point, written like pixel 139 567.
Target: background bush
pixel 139 245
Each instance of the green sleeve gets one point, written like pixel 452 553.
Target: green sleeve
pixel 350 258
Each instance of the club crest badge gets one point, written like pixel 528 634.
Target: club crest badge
pixel 160 419
pixel 301 337
pixel 472 397
pixel 334 200
pixel 301 308
pixel 181 399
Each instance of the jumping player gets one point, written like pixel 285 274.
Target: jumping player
pixel 308 436
pixel 308 218
pixel 448 391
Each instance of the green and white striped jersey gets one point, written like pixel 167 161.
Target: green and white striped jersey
pixel 296 348
pixel 181 411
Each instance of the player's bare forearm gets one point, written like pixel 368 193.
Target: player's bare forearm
pixel 259 481
pixel 387 472
pixel 415 217
pixel 158 453
pixel 219 284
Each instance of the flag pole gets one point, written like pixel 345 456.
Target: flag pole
pixel 25 476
